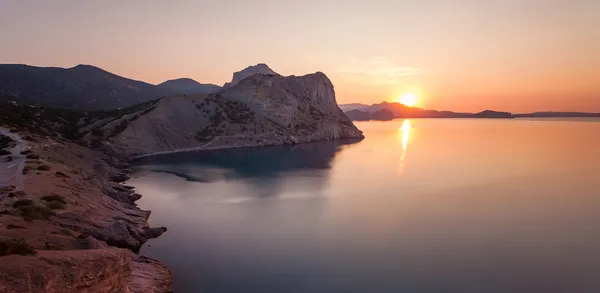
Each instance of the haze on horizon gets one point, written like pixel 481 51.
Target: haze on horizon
pixel 512 55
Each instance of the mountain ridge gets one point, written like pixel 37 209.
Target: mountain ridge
pixel 357 113
pixel 82 87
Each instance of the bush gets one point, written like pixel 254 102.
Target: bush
pixel 16 193
pixel 67 232
pixel 43 168
pixel 13 226
pixel 22 202
pixel 32 211
pixel 54 197
pixel 52 246
pixel 61 174
pixel 33 156
pixel 55 205
pixel 16 246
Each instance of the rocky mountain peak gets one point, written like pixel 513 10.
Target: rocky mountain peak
pixel 259 68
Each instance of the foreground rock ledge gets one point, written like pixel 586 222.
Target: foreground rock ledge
pixel 106 270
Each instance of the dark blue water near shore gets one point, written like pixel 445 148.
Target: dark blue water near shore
pixel 457 206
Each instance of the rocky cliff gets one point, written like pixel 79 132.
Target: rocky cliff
pixel 260 68
pixel 259 110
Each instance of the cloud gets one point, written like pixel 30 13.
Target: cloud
pixel 379 70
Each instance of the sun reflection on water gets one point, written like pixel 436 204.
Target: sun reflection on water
pixel 404 136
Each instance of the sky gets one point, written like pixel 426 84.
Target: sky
pixel 460 55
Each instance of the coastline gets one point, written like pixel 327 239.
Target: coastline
pixel 229 146
pixel 67 224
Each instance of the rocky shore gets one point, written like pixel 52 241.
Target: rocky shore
pixel 67 224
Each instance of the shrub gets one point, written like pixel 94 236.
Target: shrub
pixel 32 211
pixel 13 226
pixel 55 205
pixel 16 193
pixel 52 246
pixel 4 152
pixel 22 202
pixel 16 246
pixel 33 156
pixel 54 197
pixel 67 232
pixel 61 174
pixel 43 168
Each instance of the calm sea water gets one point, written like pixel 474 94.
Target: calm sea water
pixel 457 206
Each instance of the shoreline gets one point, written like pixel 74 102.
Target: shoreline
pixel 71 225
pixel 226 147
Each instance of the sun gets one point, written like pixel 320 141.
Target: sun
pixel 408 99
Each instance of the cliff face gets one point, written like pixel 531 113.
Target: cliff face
pixel 260 110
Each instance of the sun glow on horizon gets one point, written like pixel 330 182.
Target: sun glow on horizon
pixel 408 99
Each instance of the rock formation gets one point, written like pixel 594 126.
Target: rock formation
pixel 259 110
pixel 260 68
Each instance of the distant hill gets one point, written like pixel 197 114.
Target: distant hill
pixel 361 112
pixel 388 111
pixel 82 87
pixel 353 106
pixel 557 114
pixel 187 86
pixel 358 115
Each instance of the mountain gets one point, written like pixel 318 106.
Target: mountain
pixel 260 68
pixel 353 106
pixel 383 115
pixel 82 87
pixel 398 110
pixel 259 110
pixel 558 115
pixel 187 86
pixel 358 115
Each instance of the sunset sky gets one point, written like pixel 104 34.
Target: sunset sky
pixel 461 55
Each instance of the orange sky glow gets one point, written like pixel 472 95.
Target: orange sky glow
pixel 463 55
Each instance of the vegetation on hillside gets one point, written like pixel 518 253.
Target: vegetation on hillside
pixel 61 123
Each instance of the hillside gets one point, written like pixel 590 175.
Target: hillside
pixel 82 87
pixel 558 115
pixel 187 86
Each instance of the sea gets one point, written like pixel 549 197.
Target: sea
pixel 418 206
